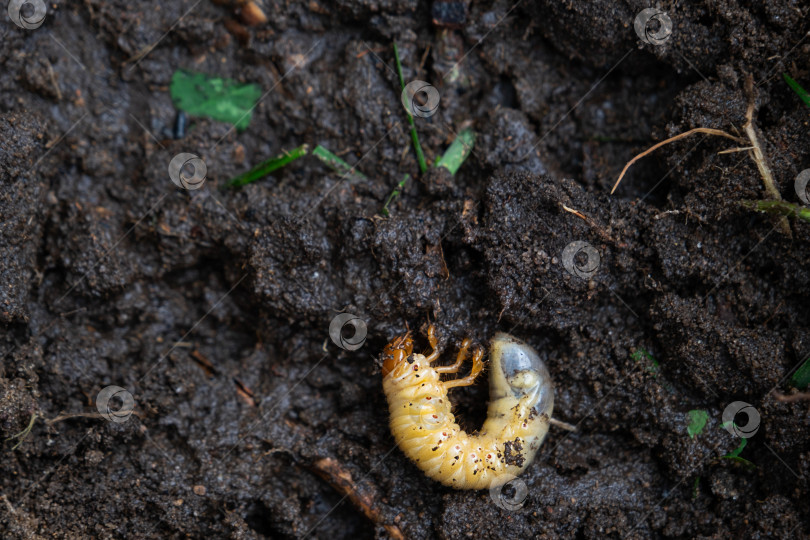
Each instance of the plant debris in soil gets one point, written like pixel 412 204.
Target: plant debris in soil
pixel 168 368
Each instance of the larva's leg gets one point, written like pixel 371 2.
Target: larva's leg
pixel 434 344
pixel 477 368
pixel 462 355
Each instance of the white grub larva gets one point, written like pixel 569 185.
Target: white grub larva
pixel 521 401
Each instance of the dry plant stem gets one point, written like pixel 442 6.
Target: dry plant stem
pixel 764 170
pixel 562 425
pixel 340 479
pixel 791 398
pixel 62 417
pixel 603 233
pixel 707 131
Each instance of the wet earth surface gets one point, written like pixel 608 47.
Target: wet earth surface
pixel 212 307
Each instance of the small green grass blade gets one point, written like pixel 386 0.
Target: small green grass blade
pixel 420 156
pixel 266 167
pixel 801 379
pixel 779 208
pixel 796 87
pixel 394 194
pixel 335 163
pixel 458 151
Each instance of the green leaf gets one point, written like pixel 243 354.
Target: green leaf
pixel 697 421
pixel 225 100
pixel 642 355
pixel 796 87
pixel 801 378
pixel 736 452
pixel 744 462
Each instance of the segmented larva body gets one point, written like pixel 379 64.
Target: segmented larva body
pixel 521 402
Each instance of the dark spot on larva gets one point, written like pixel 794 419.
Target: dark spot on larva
pixel 434 448
pixel 475 471
pixel 423 384
pixel 532 413
pixel 410 359
pixel 417 376
pixel 456 458
pixel 428 398
pixel 512 453
pixel 440 400
pixel 416 368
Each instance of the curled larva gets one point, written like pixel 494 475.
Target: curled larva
pixel 521 401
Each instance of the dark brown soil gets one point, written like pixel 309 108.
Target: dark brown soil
pixel 212 307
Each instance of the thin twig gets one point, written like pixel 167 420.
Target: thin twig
pixel 764 170
pixel 791 398
pixel 562 425
pixel 708 131
pixel 341 479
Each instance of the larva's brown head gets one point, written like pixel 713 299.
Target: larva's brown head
pixel 397 352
